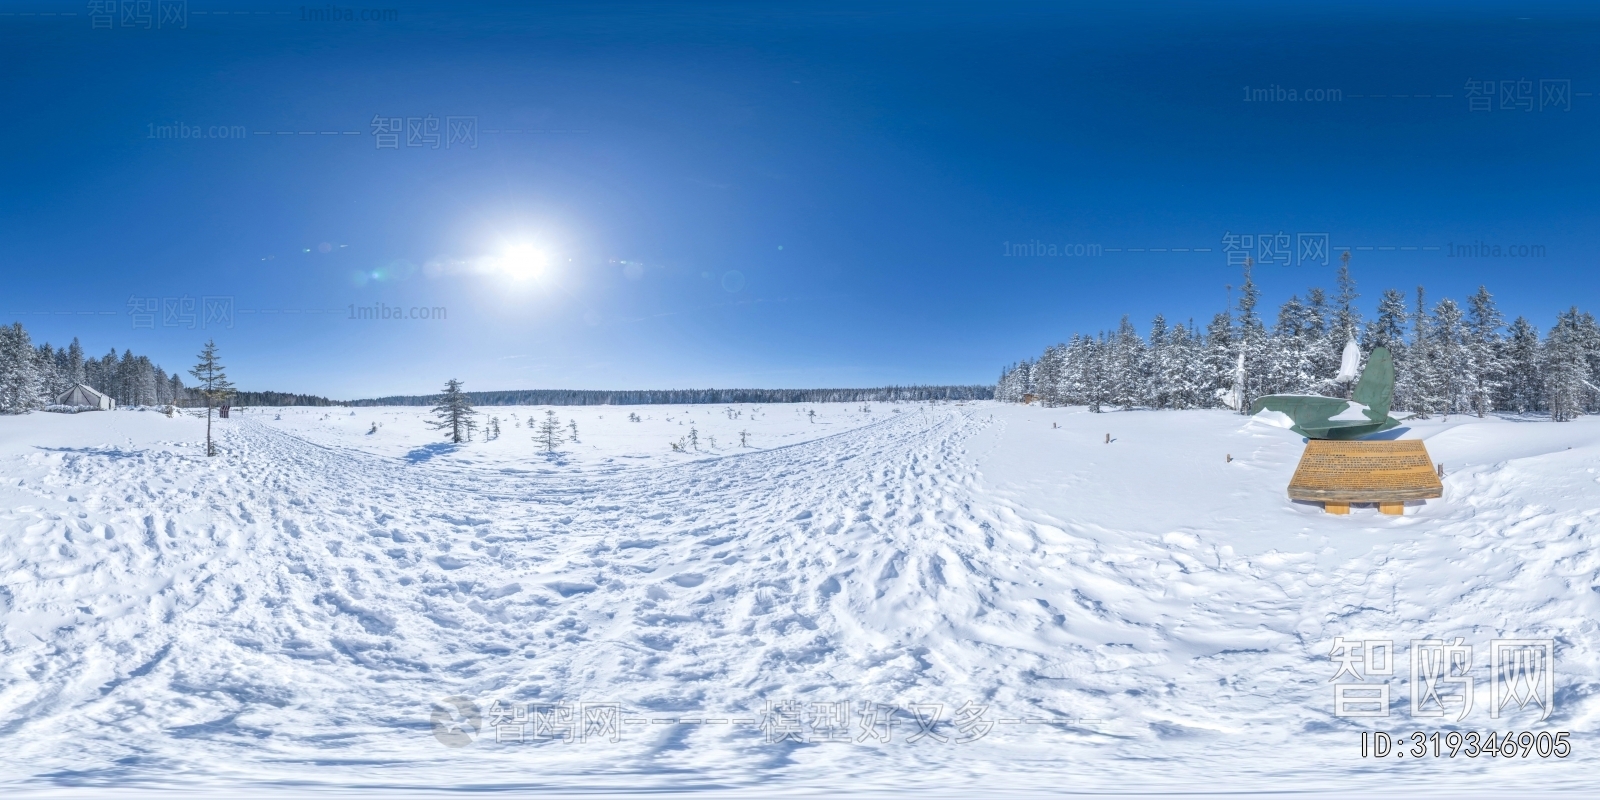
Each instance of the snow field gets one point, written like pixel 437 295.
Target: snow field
pixel 283 616
pixel 606 437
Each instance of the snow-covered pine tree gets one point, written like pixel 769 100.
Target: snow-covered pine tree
pixel 1126 368
pixel 214 385
pixel 163 387
pixel 144 381
pixel 1012 384
pixel 1191 373
pixel 20 389
pixel 52 379
pixel 1346 322
pixel 453 413
pixel 1523 388
pixel 1589 338
pixel 1565 368
pixel 1221 356
pixel 1252 341
pixel 1452 359
pixel 1420 375
pixel 1388 330
pixel 127 379
pixel 1047 375
pixel 1287 362
pixel 1070 388
pixel 108 374
pixel 63 369
pixel 1323 348
pixel 75 363
pixel 1485 350
pixel 1096 385
pixel 1158 389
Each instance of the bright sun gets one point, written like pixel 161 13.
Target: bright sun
pixel 522 262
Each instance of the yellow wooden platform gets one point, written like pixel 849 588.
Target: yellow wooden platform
pixel 1338 473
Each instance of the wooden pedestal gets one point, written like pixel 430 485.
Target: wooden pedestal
pixel 1338 473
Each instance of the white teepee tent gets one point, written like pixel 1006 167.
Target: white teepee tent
pixel 84 397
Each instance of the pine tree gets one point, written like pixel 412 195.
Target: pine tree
pixel 1192 368
pixel 1485 351
pixel 144 381
pixel 20 386
pixel 1047 375
pixel 52 378
pixel 1286 363
pixel 1589 342
pixel 1420 377
pixel 1523 389
pixel 1252 341
pixel 1069 387
pixel 453 413
pixel 214 385
pixel 1388 330
pixel 107 384
pixel 1094 378
pixel 1452 359
pixel 75 362
pixel 127 380
pixel 163 388
pixel 1565 368
pixel 549 431
pixel 1009 389
pixel 1127 376
pixel 1324 343
pixel 1221 356
pixel 1346 324
pixel 1160 389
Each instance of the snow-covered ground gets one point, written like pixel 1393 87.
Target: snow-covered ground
pixel 607 438
pixel 1143 615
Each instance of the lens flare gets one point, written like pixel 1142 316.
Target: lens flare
pixel 522 262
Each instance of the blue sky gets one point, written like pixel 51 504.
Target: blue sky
pixel 761 195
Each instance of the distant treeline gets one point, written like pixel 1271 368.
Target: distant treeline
pixel 584 397
pixel 281 399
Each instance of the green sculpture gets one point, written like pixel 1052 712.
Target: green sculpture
pixel 1316 417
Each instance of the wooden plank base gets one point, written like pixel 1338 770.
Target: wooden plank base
pixel 1386 472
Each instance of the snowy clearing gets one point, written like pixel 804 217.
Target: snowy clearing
pixel 1142 615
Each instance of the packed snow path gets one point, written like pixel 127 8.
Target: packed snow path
pixel 286 615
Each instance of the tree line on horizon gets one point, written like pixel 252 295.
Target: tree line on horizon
pixel 583 397
pixel 1448 359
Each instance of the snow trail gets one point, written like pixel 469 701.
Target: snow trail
pixel 174 620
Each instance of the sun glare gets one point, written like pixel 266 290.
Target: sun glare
pixel 522 262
